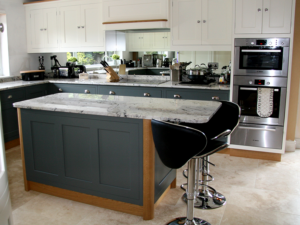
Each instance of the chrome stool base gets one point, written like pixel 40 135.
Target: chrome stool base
pixel 208 202
pixel 183 221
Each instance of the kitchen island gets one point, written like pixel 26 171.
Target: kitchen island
pixel 98 149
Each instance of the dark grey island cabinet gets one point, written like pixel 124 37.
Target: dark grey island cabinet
pixel 97 158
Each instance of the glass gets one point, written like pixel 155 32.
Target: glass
pixel 261 60
pixel 247 100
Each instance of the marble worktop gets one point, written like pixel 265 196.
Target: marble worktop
pixel 124 106
pixel 126 80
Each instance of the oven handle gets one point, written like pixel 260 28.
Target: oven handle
pixel 243 50
pixel 257 128
pixel 248 89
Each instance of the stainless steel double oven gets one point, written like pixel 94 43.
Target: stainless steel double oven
pixel 258 64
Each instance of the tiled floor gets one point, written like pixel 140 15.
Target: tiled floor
pixel 257 191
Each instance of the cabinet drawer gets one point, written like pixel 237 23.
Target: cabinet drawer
pixel 13 95
pixel 198 94
pixel 130 91
pixel 74 88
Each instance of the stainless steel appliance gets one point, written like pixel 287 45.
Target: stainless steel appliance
pixel 147 60
pixel 261 57
pixel 158 63
pixel 254 130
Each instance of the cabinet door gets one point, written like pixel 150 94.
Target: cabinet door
pixel 216 22
pixel 277 16
pixel 159 40
pixel 248 16
pixel 92 33
pixel 70 26
pixel 51 32
pixel 134 41
pixel 75 88
pixel 167 41
pixel 147 40
pixel 37 28
pixel 36 91
pixel 186 22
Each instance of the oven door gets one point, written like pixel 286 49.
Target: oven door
pixel 265 61
pixel 246 98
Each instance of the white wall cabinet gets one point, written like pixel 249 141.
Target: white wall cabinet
pixel 158 41
pixel 65 26
pixel 42 30
pixel 81 26
pixel 199 23
pixel 263 16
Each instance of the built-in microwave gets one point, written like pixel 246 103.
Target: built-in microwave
pixel 261 57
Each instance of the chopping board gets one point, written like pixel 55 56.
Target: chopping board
pixel 122 69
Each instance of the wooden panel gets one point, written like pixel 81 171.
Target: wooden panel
pixel 248 18
pixel 114 149
pixel 39 1
pixel 148 171
pixel 135 10
pixel 295 81
pixel 12 144
pixel 43 143
pixel 162 197
pixel 77 152
pixel 22 151
pixel 173 184
pixel 136 21
pixel 252 154
pixel 88 199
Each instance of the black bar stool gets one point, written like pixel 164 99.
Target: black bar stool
pixel 176 145
pixel 222 124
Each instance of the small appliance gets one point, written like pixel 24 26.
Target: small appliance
pixel 30 75
pixel 147 60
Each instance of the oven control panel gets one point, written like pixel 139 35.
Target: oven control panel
pixel 260 81
pixel 279 42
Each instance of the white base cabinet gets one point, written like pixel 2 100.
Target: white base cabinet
pixel 263 16
pixel 201 23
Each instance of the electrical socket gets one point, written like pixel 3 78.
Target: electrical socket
pixel 213 65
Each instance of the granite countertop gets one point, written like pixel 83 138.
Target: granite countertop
pixel 123 106
pixel 126 80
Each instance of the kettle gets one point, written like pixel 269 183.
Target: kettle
pixel 158 62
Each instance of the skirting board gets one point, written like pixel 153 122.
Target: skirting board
pixel 290 146
pixel 252 154
pixel 12 144
pixel 297 143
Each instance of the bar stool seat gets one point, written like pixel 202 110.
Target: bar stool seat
pixel 176 145
pixel 220 126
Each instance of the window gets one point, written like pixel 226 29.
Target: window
pixel 92 59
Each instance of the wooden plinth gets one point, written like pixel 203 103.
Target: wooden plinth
pixel 252 154
pixel 12 144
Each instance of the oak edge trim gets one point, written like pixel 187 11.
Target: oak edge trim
pixel 87 199
pixel 135 21
pixel 26 185
pixel 28 3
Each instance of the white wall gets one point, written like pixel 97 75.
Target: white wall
pixel 16 32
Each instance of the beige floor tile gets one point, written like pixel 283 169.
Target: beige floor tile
pixel 242 215
pixel 101 216
pixel 276 201
pixel 19 196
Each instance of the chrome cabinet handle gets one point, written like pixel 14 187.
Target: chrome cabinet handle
pixel 198 21
pixel 266 9
pixel 42 29
pixel 78 27
pixel 147 95
pixel 215 98
pixel 60 90
pixel 259 9
pixel 82 26
pixel 112 93
pixel 87 91
pixel 9 97
pixel 177 96
pixel 204 21
pixel 45 29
